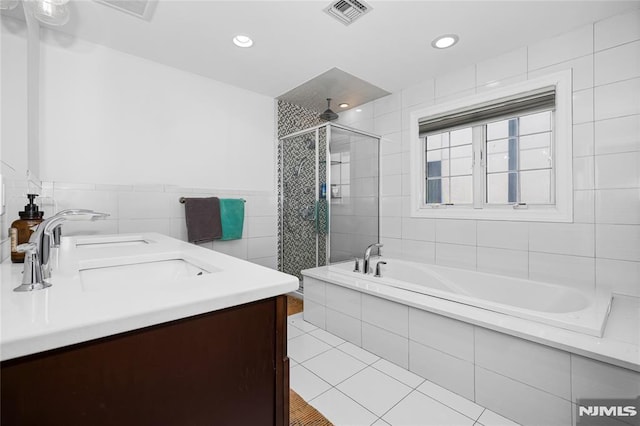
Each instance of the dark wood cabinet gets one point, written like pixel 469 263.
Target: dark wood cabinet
pixel 227 367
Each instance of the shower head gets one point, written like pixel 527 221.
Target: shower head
pixel 328 115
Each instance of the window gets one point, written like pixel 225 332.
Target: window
pixel 498 155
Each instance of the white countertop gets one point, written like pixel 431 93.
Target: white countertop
pixel 620 344
pixel 69 312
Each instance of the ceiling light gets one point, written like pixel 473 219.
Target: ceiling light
pixel 445 41
pixel 358 110
pixel 344 105
pixel 242 41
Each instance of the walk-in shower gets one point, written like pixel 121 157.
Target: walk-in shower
pixel 328 196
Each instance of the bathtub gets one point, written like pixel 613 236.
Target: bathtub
pixel 498 341
pixel 551 304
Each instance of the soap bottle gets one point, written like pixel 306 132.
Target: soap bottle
pixel 21 229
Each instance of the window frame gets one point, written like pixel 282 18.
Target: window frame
pixel 561 211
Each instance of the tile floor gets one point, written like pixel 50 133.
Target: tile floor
pixel 353 387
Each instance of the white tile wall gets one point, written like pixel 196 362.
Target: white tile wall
pixel 605 62
pixel 390 316
pixel 583 140
pixel 573 271
pixel 455 82
pixel 617 30
pixel 456 255
pixel 619 206
pixel 341 325
pixel 389 346
pixel 513 400
pixel 499 68
pixel 155 208
pixel 592 379
pixel 617 99
pixel 621 276
pixel 617 170
pixel 501 234
pixel 544 368
pixel 344 300
pixel 514 263
pixel 444 334
pixel 418 251
pixel 617 135
pixel 618 242
pixel 570 45
pixel 437 366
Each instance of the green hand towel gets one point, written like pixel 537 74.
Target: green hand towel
pixel 232 218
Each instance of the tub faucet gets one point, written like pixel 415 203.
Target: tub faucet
pixel 37 268
pixel 367 254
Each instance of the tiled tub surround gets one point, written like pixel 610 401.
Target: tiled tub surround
pixel 602 245
pixel 528 372
pixel 155 208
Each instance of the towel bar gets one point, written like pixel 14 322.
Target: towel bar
pixel 182 200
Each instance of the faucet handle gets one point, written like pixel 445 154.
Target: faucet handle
pixel 32 275
pixel 356 267
pixel 378 269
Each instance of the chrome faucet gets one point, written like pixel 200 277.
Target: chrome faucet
pixel 367 254
pixel 38 250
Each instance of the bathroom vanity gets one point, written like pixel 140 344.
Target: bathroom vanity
pixel 145 330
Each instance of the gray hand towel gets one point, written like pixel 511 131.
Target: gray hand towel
pixel 203 219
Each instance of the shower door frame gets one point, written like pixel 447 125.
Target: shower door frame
pixel 316 131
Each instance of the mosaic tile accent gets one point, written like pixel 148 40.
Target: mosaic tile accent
pixel 297 244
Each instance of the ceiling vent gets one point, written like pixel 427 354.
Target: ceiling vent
pixel 347 11
pixel 142 9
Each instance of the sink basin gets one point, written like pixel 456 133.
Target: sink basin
pixel 105 242
pixel 146 274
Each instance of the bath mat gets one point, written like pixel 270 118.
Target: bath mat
pixel 303 414
pixel 300 412
pixel 294 305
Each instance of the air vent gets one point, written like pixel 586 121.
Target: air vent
pixel 347 11
pixel 142 9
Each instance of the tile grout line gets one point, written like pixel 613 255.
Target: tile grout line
pixel 413 388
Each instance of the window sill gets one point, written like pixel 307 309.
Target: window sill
pixel 529 214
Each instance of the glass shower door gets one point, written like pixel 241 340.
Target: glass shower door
pixel 354 176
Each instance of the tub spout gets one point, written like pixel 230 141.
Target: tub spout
pixel 367 254
pixel 379 269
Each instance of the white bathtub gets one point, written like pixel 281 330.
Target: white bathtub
pixel 546 303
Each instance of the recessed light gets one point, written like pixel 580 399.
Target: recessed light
pixel 358 110
pixel 445 41
pixel 242 41
pixel 344 105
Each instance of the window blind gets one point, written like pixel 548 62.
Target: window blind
pixel 542 99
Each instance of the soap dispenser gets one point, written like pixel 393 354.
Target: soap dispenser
pixel 22 228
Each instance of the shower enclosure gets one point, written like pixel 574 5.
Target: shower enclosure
pixel 328 186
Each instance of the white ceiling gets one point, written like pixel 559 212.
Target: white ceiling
pixel 390 47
